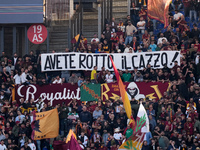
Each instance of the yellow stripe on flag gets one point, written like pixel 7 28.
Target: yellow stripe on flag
pixel 123 93
pixel 13 93
pixel 69 136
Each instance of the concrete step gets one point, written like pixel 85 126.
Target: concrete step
pixel 90 15
pixel 59 28
pixel 90 28
pixel 119 3
pixel 59 34
pixel 118 15
pixel 93 22
pixel 59 40
pixel 119 9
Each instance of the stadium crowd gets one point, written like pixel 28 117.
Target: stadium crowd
pixel 174 119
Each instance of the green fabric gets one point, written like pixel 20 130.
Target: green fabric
pixel 126 77
pixel 129 132
pixel 90 92
pixel 158 48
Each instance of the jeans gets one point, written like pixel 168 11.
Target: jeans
pixel 128 39
pixel 179 6
pixel 193 13
pixel 140 33
pixel 38 144
pixel 105 137
pixel 154 24
pixel 62 127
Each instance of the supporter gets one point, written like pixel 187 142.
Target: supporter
pixel 177 17
pixel 161 38
pixel 97 113
pixel 177 4
pixel 152 46
pixel 94 75
pixel 95 38
pixel 85 116
pixel 2 145
pixel 121 28
pixel 130 31
pixel 143 13
pixel 57 80
pixel 128 47
pixel 113 25
pixel 73 79
pixel 141 27
pixel 109 77
pixel 192 8
pixel 106 46
pixel 83 138
pixel 150 26
pixel 128 18
pixel 107 33
pixel 138 77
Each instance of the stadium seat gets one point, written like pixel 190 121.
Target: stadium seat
pixel 174 29
pixel 160 26
pixel 156 31
pixel 182 12
pixel 163 30
pixel 187 19
pixel 173 12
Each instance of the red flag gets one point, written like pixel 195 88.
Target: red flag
pixel 74 144
pixel 159 9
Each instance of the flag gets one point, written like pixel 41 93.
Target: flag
pixel 13 93
pixel 72 142
pixel 45 125
pixel 159 9
pixel 141 128
pixel 70 135
pixel 90 92
pixel 142 121
pixel 123 93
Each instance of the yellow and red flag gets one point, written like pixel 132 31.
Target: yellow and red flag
pixel 45 125
pixel 69 136
pixel 123 93
pixel 159 9
pixel 72 142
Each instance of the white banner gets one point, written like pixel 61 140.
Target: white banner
pixel 123 61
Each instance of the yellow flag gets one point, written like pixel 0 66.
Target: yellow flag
pixel 45 125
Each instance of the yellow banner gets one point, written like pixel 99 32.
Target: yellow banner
pixel 45 125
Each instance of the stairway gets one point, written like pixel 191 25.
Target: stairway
pixel 120 9
pixel 58 36
pixel 90 24
pixel 59 31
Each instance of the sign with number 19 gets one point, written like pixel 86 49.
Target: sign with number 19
pixel 37 33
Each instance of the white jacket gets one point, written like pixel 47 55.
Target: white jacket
pixel 85 140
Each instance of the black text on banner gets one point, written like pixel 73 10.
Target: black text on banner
pixel 86 61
